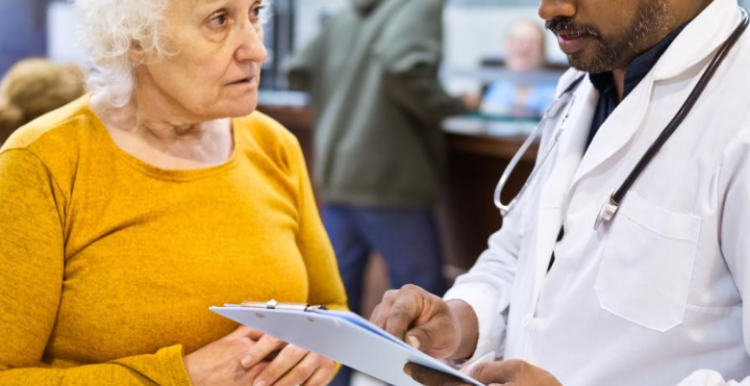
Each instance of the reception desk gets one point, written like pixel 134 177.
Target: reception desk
pixel 476 160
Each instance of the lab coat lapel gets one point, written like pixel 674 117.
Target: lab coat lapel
pixel 566 160
pixel 618 129
pixel 700 39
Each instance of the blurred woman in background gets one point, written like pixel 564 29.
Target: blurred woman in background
pixel 34 87
pixel 520 95
pixel 129 212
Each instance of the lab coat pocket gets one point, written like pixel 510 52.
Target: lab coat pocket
pixel 647 264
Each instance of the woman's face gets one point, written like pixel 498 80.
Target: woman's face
pixel 218 51
pixel 525 47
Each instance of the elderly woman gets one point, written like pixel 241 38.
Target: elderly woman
pixel 130 211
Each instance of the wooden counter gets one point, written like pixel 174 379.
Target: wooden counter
pixel 466 211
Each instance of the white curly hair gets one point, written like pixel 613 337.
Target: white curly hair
pixel 108 29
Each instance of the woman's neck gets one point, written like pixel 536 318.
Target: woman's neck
pixel 150 132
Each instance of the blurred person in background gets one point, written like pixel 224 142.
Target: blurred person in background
pixel 34 87
pixel 521 97
pixel 129 212
pixel 378 145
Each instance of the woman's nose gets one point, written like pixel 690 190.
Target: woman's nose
pixel 252 48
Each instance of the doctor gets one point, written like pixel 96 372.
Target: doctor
pixel 656 296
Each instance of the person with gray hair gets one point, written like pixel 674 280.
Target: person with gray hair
pixel 130 211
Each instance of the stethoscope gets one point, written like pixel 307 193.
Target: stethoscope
pixel 564 105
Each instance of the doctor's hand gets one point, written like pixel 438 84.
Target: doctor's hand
pixel 508 373
pixel 428 323
pixel 288 365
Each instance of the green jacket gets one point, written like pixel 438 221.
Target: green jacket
pixel 372 74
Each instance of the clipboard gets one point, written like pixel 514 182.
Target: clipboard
pixel 342 336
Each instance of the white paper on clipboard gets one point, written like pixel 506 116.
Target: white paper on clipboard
pixel 344 337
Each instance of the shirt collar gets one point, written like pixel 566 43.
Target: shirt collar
pixel 638 69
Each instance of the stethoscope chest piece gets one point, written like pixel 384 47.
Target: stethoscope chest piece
pixel 608 211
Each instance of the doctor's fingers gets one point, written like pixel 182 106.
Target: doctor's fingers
pixel 407 293
pixel 429 377
pixel 261 350
pixel 438 337
pixel 381 310
pixel 513 372
pixel 404 308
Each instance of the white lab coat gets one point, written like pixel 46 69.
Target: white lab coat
pixel 655 297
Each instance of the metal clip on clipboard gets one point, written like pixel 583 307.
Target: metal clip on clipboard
pixel 274 305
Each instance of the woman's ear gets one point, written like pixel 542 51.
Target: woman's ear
pixel 136 53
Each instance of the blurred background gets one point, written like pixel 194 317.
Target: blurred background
pixel 475 32
pixel 489 62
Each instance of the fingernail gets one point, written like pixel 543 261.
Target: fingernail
pixel 407 370
pixel 259 382
pixel 247 361
pixel 413 342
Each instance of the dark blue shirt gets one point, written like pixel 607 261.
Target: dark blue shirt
pixel 605 83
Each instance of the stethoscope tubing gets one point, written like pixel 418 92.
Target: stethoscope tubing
pixel 566 100
pixel 612 206
pixel 686 108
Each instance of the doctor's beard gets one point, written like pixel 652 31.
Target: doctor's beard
pixel 654 20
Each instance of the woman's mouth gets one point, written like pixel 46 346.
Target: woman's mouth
pixel 244 81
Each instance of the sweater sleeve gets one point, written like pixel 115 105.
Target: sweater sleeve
pixel 300 69
pixel 31 281
pixel 326 287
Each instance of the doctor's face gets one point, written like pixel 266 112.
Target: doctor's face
pixel 603 35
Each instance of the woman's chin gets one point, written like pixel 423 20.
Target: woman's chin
pixel 236 109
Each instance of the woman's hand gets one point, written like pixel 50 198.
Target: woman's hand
pixel 291 366
pixel 219 363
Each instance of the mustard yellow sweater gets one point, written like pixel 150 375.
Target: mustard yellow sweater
pixel 108 265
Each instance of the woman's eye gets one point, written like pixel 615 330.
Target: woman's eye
pixel 257 12
pixel 218 21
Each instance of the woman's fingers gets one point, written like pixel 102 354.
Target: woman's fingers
pixel 243 332
pixel 313 370
pixel 262 349
pixel 257 334
pixel 289 360
pixel 321 377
